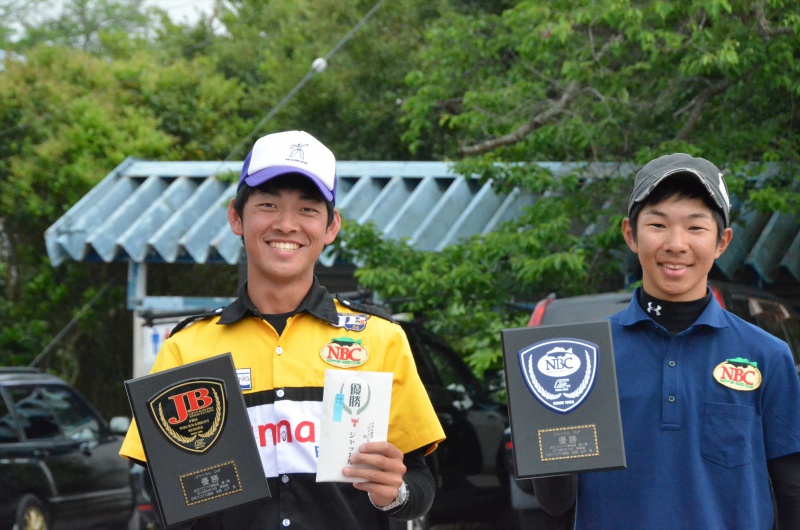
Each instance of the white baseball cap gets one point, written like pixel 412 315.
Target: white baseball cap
pixel 289 152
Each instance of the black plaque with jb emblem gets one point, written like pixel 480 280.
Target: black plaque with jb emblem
pixel 197 438
pixel 562 399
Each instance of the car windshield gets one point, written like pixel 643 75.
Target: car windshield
pixel 8 428
pixel 52 411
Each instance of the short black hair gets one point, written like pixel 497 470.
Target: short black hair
pixel 681 187
pixel 293 181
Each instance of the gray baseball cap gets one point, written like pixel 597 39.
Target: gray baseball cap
pixel 655 171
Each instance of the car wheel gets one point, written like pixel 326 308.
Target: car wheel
pixel 31 514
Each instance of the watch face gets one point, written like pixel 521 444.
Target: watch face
pixel 402 497
pixel 402 493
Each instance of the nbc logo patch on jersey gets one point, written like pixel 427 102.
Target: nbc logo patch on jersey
pixel 738 374
pixel 344 352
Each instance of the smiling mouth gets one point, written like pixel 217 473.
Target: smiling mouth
pixel 282 246
pixel 674 267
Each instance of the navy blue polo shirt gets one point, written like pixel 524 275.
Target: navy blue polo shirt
pixel 696 449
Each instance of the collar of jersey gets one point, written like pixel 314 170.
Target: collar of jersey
pixel 713 315
pixel 317 302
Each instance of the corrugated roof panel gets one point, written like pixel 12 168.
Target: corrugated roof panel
pixel 78 236
pixel 433 229
pixel 512 205
pixel 165 241
pixel 474 217
pixel 361 197
pixel 227 246
pixel 151 211
pixel 389 201
pixel 791 259
pixel 745 234
pixel 417 208
pixel 134 240
pixel 773 239
pixel 106 237
pixel 212 221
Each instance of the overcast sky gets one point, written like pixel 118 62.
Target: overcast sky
pixel 183 10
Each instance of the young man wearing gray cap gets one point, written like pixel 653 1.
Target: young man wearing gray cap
pixel 277 330
pixel 710 403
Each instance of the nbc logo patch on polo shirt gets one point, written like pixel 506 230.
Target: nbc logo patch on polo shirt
pixel 738 374
pixel 344 352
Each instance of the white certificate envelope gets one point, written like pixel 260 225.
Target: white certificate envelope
pixel 355 410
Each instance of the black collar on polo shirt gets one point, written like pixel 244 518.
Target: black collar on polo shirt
pixel 674 316
pixel 317 302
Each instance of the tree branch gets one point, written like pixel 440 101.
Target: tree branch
pixel 697 104
pixel 525 129
pixel 764 27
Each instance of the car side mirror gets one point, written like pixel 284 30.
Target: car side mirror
pixel 119 424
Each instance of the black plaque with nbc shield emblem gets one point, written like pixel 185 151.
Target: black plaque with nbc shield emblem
pixel 196 434
pixel 562 399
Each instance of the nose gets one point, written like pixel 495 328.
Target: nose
pixel 676 241
pixel 286 221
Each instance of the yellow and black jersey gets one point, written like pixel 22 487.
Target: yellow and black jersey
pixel 282 376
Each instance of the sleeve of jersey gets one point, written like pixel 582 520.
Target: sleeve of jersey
pixel 413 423
pixel 781 400
pixel 168 357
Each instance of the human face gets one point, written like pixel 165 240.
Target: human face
pixel 284 233
pixel 677 244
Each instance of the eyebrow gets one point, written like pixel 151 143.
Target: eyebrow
pixel 304 195
pixel 659 213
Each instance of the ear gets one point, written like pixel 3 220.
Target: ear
pixel 235 220
pixel 725 240
pixel 333 229
pixel 627 233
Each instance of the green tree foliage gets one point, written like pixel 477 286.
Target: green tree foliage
pixel 354 104
pixel 499 86
pixel 68 119
pixel 469 292
pixel 492 85
pixel 611 79
pixel 88 86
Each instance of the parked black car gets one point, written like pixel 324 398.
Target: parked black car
pixel 59 462
pixel 471 477
pixel 756 306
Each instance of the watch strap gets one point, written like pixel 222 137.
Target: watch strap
pixel 401 499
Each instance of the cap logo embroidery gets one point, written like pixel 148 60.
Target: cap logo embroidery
pixel 296 153
pixel 344 352
pixel 738 374
pixel 559 378
pixel 651 309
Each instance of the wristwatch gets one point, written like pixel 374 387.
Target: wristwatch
pixel 401 499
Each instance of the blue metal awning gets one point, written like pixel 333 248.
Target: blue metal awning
pixel 175 212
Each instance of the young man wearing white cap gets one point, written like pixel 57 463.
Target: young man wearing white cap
pixel 710 403
pixel 276 330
